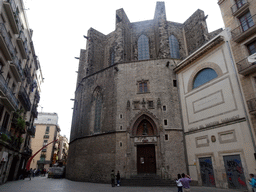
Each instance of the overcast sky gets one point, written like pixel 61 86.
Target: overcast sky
pixel 59 26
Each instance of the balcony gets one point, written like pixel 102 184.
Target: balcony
pixel 27 151
pixel 5 43
pixel 34 111
pixel 239 7
pixel 246 68
pixel 26 71
pixel 15 66
pixel 10 9
pixel 37 97
pixel 7 96
pixel 245 30
pixel 31 130
pixel 24 98
pixel 22 43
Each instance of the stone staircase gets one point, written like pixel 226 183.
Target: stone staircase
pixel 147 180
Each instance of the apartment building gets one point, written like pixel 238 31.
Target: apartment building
pixel 20 80
pixel 47 131
pixel 62 150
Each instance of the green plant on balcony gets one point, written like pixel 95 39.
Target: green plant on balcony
pixel 20 140
pixel 5 137
pixel 18 121
pixel 21 124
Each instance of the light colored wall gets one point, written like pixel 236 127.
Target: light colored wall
pixel 215 109
pixel 37 143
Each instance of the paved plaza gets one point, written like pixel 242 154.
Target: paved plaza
pixel 45 184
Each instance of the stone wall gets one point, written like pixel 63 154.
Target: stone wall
pixel 195 31
pixel 95 161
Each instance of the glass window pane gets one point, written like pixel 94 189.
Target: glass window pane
pixel 143 48
pixel 174 47
pixel 204 76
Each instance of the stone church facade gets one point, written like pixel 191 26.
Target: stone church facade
pixel 127 114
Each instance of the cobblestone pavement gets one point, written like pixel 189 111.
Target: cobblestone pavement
pixel 45 184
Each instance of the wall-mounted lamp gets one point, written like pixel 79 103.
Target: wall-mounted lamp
pixel 76 71
pixel 77 58
pixel 72 99
pixel 86 37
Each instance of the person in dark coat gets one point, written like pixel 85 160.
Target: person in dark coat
pixel 118 179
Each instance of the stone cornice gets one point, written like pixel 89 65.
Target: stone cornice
pixel 212 43
pixel 220 1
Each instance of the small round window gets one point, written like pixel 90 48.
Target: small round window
pixel 204 76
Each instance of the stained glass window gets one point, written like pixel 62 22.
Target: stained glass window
pixel 204 76
pixel 97 114
pixel 174 47
pixel 143 48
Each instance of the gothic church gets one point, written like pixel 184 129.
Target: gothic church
pixel 127 114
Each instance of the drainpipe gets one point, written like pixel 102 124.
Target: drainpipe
pixel 240 90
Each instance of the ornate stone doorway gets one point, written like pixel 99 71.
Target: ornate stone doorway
pixel 146 159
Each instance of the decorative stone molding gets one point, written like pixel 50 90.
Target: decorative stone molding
pixel 211 65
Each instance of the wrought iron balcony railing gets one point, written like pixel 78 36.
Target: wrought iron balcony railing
pixel 238 5
pixel 31 130
pixel 37 96
pixel 24 98
pixel 245 68
pixel 17 64
pixel 7 39
pixel 244 27
pixel 24 42
pixel 34 111
pixel 7 92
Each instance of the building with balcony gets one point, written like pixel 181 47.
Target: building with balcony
pixel 47 130
pixel 239 17
pixel 20 80
pixel 219 143
pixel 62 150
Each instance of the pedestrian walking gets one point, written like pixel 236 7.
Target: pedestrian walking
pixel 118 178
pixel 179 184
pixel 112 178
pixel 252 182
pixel 30 173
pixel 185 180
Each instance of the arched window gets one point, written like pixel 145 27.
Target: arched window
pixel 143 48
pixel 98 106
pixel 174 47
pixel 204 76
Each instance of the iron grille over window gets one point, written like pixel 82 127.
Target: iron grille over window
pixel 174 47
pixel 143 48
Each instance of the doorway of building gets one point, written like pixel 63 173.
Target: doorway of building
pixel 206 171
pixel 13 168
pixel 146 159
pixel 234 171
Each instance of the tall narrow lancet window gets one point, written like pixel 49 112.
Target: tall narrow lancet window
pixel 174 47
pixel 112 56
pixel 143 48
pixel 98 107
pixel 204 76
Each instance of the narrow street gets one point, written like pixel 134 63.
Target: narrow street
pixel 44 184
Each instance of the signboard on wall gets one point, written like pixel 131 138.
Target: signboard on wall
pixel 4 156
